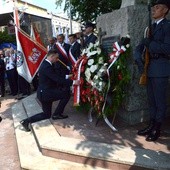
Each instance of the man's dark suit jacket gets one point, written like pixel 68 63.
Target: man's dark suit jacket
pixel 58 66
pixel 89 39
pixel 2 68
pixel 75 50
pixel 49 81
pixel 2 76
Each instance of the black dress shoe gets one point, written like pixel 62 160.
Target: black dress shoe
pixel 144 132
pixel 0 118
pixel 59 117
pixel 153 136
pixel 147 130
pixel 25 125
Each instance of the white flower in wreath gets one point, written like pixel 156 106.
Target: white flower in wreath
pixel 93 68
pixel 92 83
pixel 127 45
pixel 101 85
pixel 88 74
pixel 118 67
pixel 96 44
pixel 103 69
pixel 101 61
pixel 98 50
pixel 88 49
pixel 96 77
pixel 90 62
pixel 91 53
pixel 84 52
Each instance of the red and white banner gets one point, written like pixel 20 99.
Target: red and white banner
pixel 35 35
pixel 29 56
pixel 30 53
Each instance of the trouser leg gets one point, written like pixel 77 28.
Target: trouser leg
pixel 151 99
pixel 160 90
pixel 46 114
pixel 64 98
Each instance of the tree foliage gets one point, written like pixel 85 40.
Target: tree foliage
pixel 6 38
pixel 89 10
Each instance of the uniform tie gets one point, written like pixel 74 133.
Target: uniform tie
pixel 154 26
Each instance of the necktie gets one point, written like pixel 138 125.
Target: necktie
pixel 154 26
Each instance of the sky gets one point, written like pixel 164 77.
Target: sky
pixel 47 4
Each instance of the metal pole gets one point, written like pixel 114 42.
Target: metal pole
pixel 70 17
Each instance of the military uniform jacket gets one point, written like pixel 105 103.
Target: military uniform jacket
pixel 160 47
pixel 89 39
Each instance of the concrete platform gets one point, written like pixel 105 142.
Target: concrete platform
pixel 77 143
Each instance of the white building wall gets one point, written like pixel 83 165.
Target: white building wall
pixel 62 24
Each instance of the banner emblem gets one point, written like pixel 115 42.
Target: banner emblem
pixel 34 56
pixel 20 58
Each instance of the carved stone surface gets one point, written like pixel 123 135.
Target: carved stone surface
pixel 130 20
pixel 126 3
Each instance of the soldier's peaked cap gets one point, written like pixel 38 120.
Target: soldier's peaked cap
pixel 89 24
pixel 165 2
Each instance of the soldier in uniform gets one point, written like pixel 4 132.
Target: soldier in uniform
pixel 158 45
pixel 89 35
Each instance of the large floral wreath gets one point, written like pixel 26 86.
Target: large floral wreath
pixel 102 78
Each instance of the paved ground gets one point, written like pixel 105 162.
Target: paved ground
pixel 76 126
pixel 9 159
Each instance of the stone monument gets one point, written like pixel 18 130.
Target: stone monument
pixel 132 19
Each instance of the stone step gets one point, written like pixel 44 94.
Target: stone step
pixel 107 156
pixel 30 156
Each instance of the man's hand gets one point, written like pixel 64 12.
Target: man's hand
pixel 70 76
pixel 68 68
pixel 76 82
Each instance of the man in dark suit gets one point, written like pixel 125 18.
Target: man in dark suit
pixel 74 52
pixel 62 49
pixel 50 90
pixel 89 35
pixel 0 116
pixel 2 74
pixel 52 42
pixel 158 69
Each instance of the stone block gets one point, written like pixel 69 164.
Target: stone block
pixel 129 19
pixel 126 3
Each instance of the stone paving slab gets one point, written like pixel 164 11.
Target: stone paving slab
pixel 78 126
pixel 30 156
pixel 147 158
pixel 113 153
pixel 9 159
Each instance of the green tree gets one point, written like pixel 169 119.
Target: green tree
pixel 6 38
pixel 89 10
